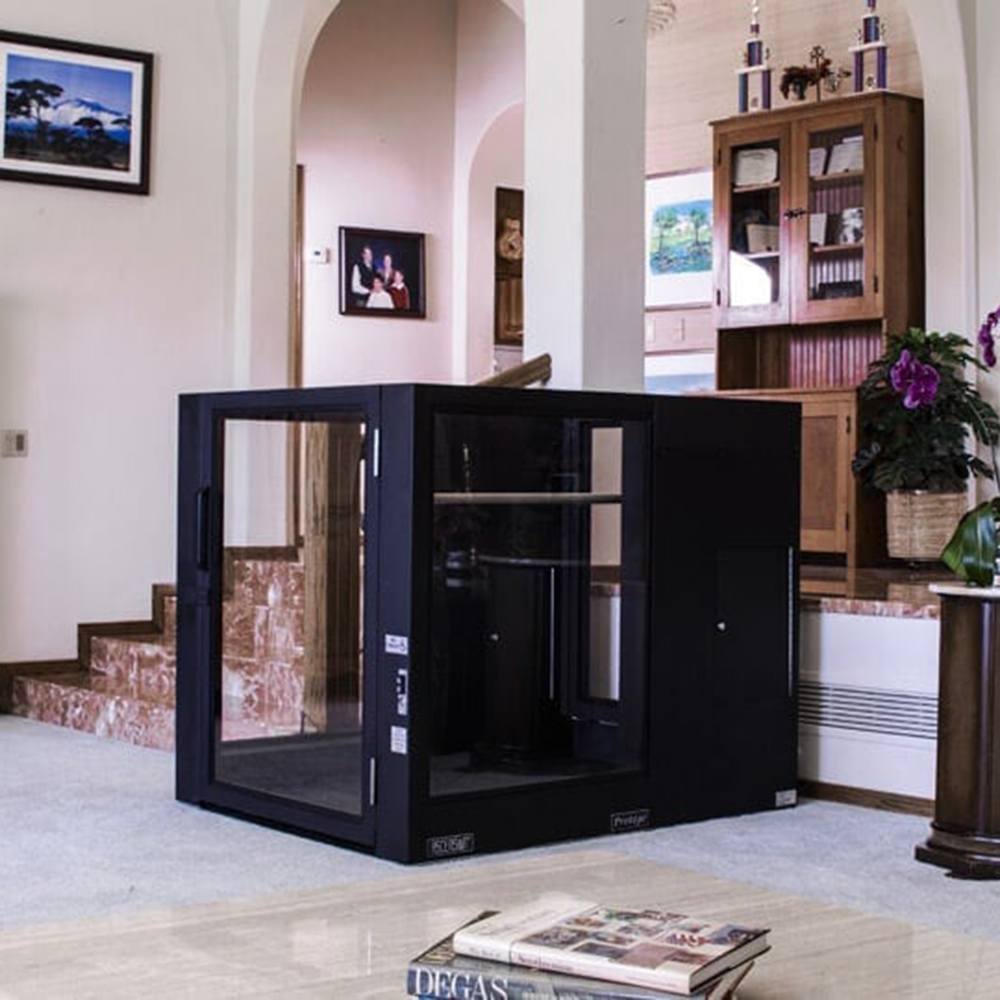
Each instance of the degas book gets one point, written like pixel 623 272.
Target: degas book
pixel 652 948
pixel 440 973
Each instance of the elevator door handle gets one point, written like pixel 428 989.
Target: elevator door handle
pixel 201 515
pixel 552 633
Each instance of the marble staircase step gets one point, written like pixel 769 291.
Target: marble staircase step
pixel 145 666
pixel 95 703
pixel 123 683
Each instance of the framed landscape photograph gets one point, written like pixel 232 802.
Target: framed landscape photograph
pixel 678 238
pixel 382 273
pixel 75 114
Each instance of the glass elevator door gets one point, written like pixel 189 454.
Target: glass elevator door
pixel 291 691
pixel 539 600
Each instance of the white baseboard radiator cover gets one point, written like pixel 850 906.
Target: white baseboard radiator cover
pixel 869 738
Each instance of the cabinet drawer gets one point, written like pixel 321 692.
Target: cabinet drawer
pixel 670 330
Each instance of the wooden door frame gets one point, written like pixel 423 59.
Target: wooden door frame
pixel 293 455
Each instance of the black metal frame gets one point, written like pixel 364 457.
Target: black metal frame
pixel 716 649
pixel 199 607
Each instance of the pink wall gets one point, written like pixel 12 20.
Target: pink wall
pixel 376 136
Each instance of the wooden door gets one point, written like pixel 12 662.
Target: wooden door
pixel 834 230
pixel 826 473
pixel 751 236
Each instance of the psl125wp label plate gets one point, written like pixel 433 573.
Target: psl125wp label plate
pixel 450 845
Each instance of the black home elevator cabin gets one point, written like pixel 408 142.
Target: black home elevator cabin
pixel 431 620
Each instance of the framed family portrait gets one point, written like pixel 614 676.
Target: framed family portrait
pixel 382 273
pixel 678 238
pixel 75 114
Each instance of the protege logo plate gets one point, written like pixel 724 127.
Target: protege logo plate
pixel 634 819
pixel 450 845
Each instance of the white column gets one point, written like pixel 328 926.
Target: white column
pixel 585 125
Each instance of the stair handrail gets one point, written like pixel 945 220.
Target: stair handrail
pixel 520 376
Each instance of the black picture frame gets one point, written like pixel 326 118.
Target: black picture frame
pixel 406 251
pixel 81 117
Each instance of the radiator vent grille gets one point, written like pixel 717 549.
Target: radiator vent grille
pixel 870 710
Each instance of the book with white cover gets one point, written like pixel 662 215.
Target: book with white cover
pixel 641 946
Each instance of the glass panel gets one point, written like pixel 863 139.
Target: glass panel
pixel 292 624
pixel 837 214
pixel 529 680
pixel 755 225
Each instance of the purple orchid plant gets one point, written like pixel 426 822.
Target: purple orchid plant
pixel 985 338
pixel 915 381
pixel 924 417
pixel 920 409
pixel 971 553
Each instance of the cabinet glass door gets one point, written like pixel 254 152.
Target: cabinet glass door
pixel 835 222
pixel 753 249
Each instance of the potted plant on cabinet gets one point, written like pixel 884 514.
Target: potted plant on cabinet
pixel 920 409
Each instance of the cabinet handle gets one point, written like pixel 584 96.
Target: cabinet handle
pixel 794 213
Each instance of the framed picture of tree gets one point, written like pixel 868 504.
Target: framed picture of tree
pixel 678 239
pixel 75 114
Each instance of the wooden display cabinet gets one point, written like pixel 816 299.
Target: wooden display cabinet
pixel 819 253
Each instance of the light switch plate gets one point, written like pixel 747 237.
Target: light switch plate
pixel 318 255
pixel 15 444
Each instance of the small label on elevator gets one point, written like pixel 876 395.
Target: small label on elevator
pixel 634 819
pixel 398 645
pixel 786 797
pixel 398 739
pixel 402 692
pixel 450 845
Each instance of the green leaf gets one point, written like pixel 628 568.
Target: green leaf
pixel 971 554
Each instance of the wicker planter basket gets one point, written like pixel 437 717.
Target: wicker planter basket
pixel 919 523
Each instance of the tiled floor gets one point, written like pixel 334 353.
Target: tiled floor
pixel 354 941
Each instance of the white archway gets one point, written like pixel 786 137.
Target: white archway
pixel 267 65
pixel 274 39
pixel 949 174
pixel 498 162
pixel 266 72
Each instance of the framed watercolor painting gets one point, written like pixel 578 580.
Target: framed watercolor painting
pixel 75 114
pixel 382 273
pixel 678 239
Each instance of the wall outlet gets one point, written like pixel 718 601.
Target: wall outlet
pixel 15 444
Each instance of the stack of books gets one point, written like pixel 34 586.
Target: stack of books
pixel 563 948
